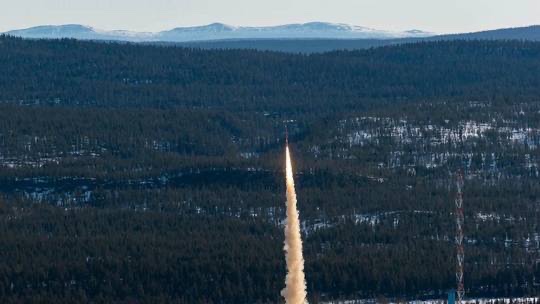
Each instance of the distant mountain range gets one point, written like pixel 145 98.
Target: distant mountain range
pixel 218 31
pixel 298 38
pixel 531 33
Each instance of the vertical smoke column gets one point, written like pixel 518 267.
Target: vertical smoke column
pixel 295 282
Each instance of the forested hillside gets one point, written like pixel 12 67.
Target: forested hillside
pixel 154 174
pixel 70 72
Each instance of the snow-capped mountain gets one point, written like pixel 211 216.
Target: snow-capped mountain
pixel 218 31
pixel 78 31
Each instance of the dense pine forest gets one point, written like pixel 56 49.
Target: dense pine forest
pixel 154 174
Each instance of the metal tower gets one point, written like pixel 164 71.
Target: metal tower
pixel 460 292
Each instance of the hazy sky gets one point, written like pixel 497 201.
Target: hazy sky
pixel 153 15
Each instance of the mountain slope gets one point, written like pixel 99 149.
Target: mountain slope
pixel 531 33
pixel 308 46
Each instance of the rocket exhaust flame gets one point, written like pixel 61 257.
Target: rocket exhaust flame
pixel 295 282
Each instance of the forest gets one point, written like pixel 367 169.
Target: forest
pixel 154 174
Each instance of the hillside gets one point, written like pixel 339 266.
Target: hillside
pixel 84 73
pixel 153 174
pixel 531 33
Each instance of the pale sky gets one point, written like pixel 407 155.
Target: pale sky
pixel 449 16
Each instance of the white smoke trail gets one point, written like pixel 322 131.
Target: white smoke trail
pixel 295 282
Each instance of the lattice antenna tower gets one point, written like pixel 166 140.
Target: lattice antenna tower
pixel 460 219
